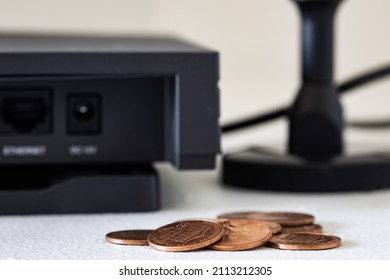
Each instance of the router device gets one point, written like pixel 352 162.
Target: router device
pixel 83 119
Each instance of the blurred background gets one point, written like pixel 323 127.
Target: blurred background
pixel 258 42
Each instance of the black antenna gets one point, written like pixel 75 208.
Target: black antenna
pixel 316 121
pixel 315 162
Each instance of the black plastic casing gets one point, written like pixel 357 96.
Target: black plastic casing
pixel 156 99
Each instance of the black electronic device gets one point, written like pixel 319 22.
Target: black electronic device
pixel 82 119
pixel 315 161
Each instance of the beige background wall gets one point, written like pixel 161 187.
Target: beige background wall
pixel 257 39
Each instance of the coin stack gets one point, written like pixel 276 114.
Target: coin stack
pixel 233 232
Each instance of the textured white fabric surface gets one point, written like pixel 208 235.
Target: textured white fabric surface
pixel 361 219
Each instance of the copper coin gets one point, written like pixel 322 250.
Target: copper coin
pixel 235 215
pixel 129 237
pixel 314 228
pixel 275 227
pixel 186 235
pixel 243 234
pixel 304 241
pixel 282 218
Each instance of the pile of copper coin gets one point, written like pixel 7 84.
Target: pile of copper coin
pixel 233 232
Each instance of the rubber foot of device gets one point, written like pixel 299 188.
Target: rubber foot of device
pixel 61 190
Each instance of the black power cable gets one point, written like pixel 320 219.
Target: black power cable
pixel 377 124
pixel 343 88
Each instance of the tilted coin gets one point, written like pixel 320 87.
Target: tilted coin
pixel 186 235
pixel 129 237
pixel 282 218
pixel 275 227
pixel 242 234
pixel 314 228
pixel 304 241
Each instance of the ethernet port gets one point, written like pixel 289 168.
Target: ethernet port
pixel 25 111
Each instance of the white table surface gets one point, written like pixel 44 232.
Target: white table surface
pixel 361 219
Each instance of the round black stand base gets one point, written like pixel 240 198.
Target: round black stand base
pixel 265 169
